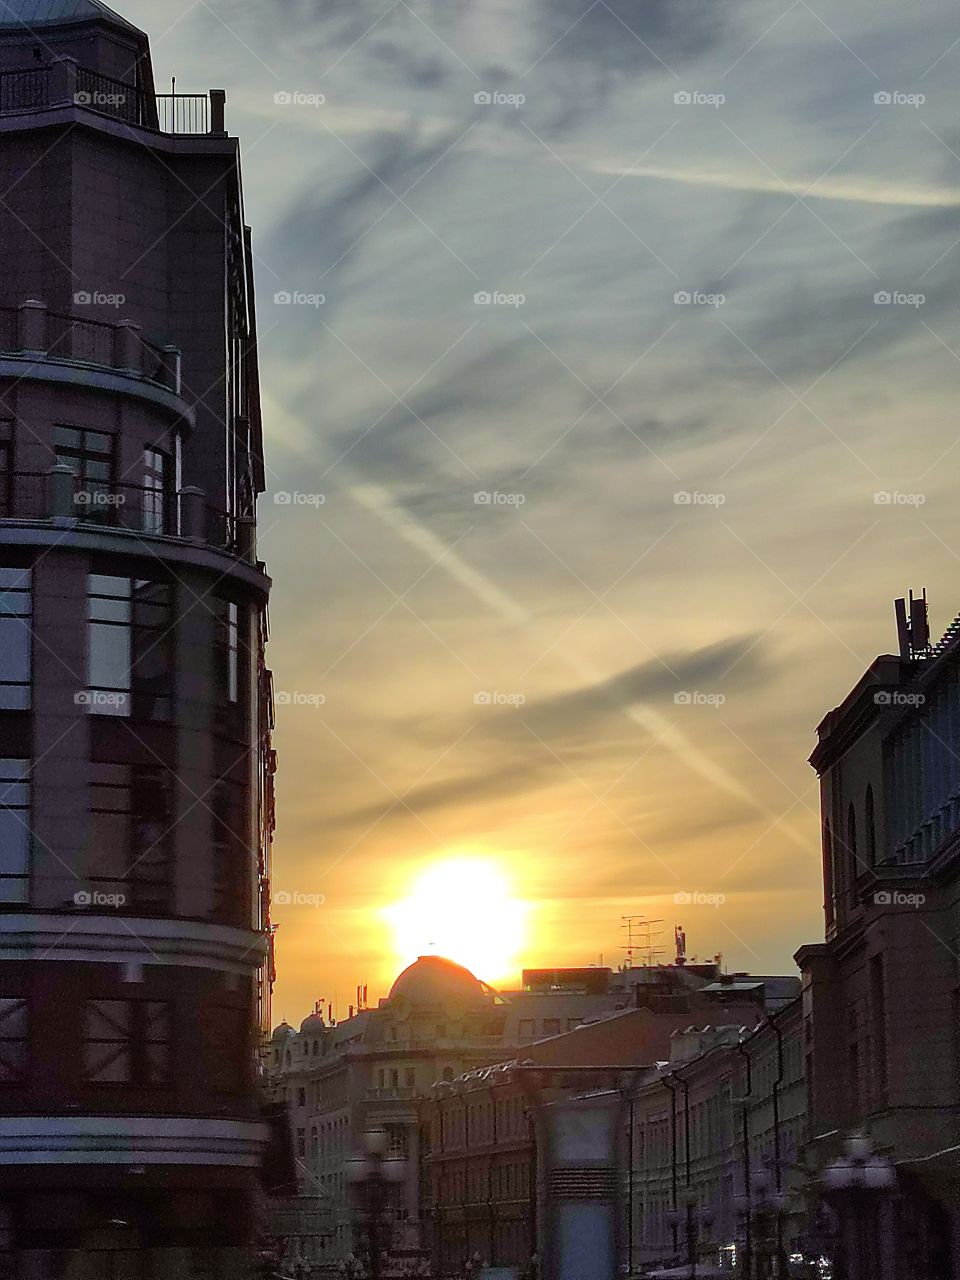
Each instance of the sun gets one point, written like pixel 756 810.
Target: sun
pixel 463 908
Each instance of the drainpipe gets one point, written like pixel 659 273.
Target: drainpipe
pixel 630 1139
pixel 776 1138
pixel 748 1229
pixel 673 1146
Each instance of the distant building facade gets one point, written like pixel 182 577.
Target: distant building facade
pixel 881 1002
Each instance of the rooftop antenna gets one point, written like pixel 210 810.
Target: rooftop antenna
pixel 641 937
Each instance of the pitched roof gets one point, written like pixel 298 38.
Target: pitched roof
pixel 44 13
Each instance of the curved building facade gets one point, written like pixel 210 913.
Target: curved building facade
pixel 135 713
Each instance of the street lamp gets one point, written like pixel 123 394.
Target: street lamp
pixel 856 1178
pixel 762 1208
pixel 372 1175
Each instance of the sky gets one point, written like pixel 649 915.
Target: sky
pixel 610 367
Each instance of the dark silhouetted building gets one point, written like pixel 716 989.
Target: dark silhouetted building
pixel 135 760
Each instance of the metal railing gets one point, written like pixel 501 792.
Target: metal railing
pixel 65 83
pixel 187 113
pixel 111 504
pixel 31 331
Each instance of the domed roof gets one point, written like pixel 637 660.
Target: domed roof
pixel 58 13
pixel 312 1022
pixel 432 980
pixel 281 1032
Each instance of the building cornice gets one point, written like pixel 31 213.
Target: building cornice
pixel 113 939
pixel 131 1140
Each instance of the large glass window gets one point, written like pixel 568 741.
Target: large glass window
pixel 89 455
pixel 129 666
pixel 127 1042
pixel 16 631
pixel 14 830
pixel 156 491
pixel 6 466
pixel 129 834
pixel 231 862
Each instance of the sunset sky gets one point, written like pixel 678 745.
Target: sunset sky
pixel 488 688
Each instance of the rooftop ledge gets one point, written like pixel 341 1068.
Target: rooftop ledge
pixel 64 82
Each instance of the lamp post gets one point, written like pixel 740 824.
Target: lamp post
pixel 762 1208
pixel 856 1179
pixel 371 1176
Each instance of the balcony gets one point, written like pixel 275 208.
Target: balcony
pixel 60 497
pixel 64 83
pixel 31 332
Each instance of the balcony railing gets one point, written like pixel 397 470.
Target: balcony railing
pixel 30 331
pixel 64 82
pixel 60 495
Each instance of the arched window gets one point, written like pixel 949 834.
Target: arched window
pixel 852 860
pixel 828 886
pixel 871 829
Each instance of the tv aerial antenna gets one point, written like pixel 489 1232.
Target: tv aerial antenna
pixel 642 938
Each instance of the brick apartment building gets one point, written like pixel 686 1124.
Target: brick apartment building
pixel 135 758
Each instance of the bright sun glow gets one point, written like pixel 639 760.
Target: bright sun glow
pixel 462 908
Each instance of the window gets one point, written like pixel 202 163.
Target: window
pixel 301 1097
pixel 828 882
pixel 15 638
pixel 852 844
pixel 89 455
pixel 156 492
pixel 15 841
pixel 551 1026
pixel 129 663
pixel 231 869
pixel 127 1042
pixel 410 1077
pixel 13 1041
pixel 527 1028
pixel 869 820
pixel 228 647
pixel 129 833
